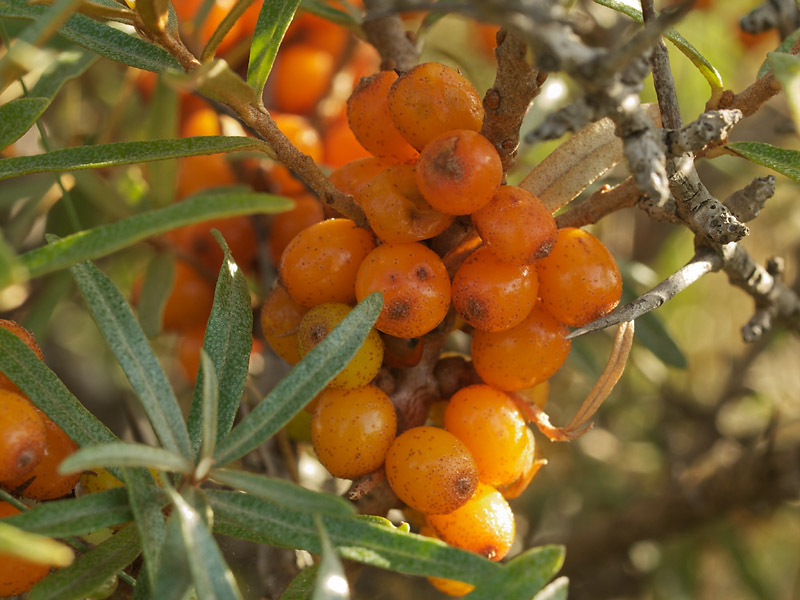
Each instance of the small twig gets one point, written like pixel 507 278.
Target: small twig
pixel 662 75
pixel 604 201
pixel 384 30
pixel 364 485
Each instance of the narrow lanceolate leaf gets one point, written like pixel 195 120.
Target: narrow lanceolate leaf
pixel 174 576
pixel 156 288
pixel 356 538
pixel 302 586
pixel 283 492
pixel 11 269
pixel 129 344
pixel 707 70
pixel 787 70
pixel 123 153
pixel 210 405
pixel 17 116
pixel 90 570
pixel 228 341
pixel 76 516
pixel 211 576
pixel 331 582
pixel 305 380
pixel 222 30
pixel 162 123
pixel 273 20
pixel 33 547
pixel 67 65
pixel 145 500
pixel 557 590
pixel 124 454
pixel 46 391
pixel 98 37
pixel 523 576
pixel 323 9
pixel 106 239
pixel 784 161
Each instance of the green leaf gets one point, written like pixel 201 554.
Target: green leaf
pixel 46 391
pixel 787 70
pixel 356 538
pixel 145 502
pixel 17 116
pixel 32 546
pixel 216 80
pixel 228 341
pixel 124 454
pixel 302 586
pixel 283 492
pixel 162 122
pixel 98 37
pixel 129 344
pixel 706 69
pixel 523 576
pixel 90 570
pixel 67 65
pixel 123 153
pixel 273 20
pixel 236 11
pixel 557 590
pixel 106 239
pixel 174 576
pixel 323 9
pixel 154 13
pixel 76 516
pixel 305 380
pixel 784 47
pixel 331 582
pixel 210 405
pixel 11 269
pixel 784 161
pixel 156 288
pixel 212 578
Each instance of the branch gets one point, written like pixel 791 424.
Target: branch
pixel 604 201
pixel 385 30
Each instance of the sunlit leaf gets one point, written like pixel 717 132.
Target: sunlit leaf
pixel 302 586
pixel 124 454
pixel 33 547
pixel 787 70
pixel 273 20
pixel 156 288
pixel 523 576
pixel 784 161
pixel 331 582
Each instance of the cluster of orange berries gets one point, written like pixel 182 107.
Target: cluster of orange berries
pixel 31 448
pixel 516 293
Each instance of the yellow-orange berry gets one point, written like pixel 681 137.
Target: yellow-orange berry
pixel 580 280
pixel 280 319
pixel 300 77
pixel 451 587
pixel 351 177
pixel 284 226
pixel 98 480
pixel 22 436
pixel 431 470
pixel 17 576
pixel 351 430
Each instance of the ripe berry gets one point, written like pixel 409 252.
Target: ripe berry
pixel 300 78
pixel 320 263
pixel 306 138
pixel 530 467
pixel 415 287
pixel 27 337
pixel 190 342
pixel 98 480
pixel 22 436
pixel 284 226
pixel 197 173
pixel 318 322
pixel 396 210
pixel 432 99
pixel 484 524
pixel 491 294
pixel 339 144
pixel 189 303
pixel 516 225
pixel 197 241
pixel 280 319
pixel 351 430
pixel 369 118
pixel 431 470
pixel 17 576
pixel 493 429
pixel 522 356
pixel 579 279
pixel 351 177
pixel 451 587
pixel 458 172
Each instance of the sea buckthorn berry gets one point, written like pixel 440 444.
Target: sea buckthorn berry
pixel 197 241
pixel 491 294
pixel 320 264
pixel 484 525
pixel 22 436
pixel 27 337
pixel 340 145
pixel 351 177
pixel 189 303
pixel 396 210
pixel 524 355
pixel 300 77
pixel 371 123
pixel 530 467
pixel 45 482
pixel 318 322
pixel 308 28
pixel 197 173
pixel 580 280
pixel 451 587
pixel 458 172
pixel 305 138
pixel 190 342
pixel 516 225
pixel 284 226
pixel 431 470
pixel 432 99
pixel 493 429
pixel 402 353
pixel 280 320
pixel 415 287
pixel 351 430
pixel 17 576
pixel 98 480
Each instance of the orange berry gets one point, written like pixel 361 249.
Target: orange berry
pixel 458 172
pixel 351 177
pixel 190 343
pixel 486 34
pixel 17 576
pixel 305 137
pixel 371 122
pixel 451 587
pixel 415 287
pixel 308 28
pixel 579 279
pixel 516 225
pixel 280 319
pixel 45 482
pixel 27 337
pixel 397 211
pixel 522 356
pixel 484 524
pixel 189 303
pixel 432 99
pixel 431 470
pixel 351 430
pixel 402 353
pixel 284 226
pixel 301 77
pixel 22 436
pixel 340 145
pixel 493 429
pixel 197 240
pixel 98 480
pixel 197 173
pixel 530 467
pixel 320 264
pixel 318 322
pixel 491 294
